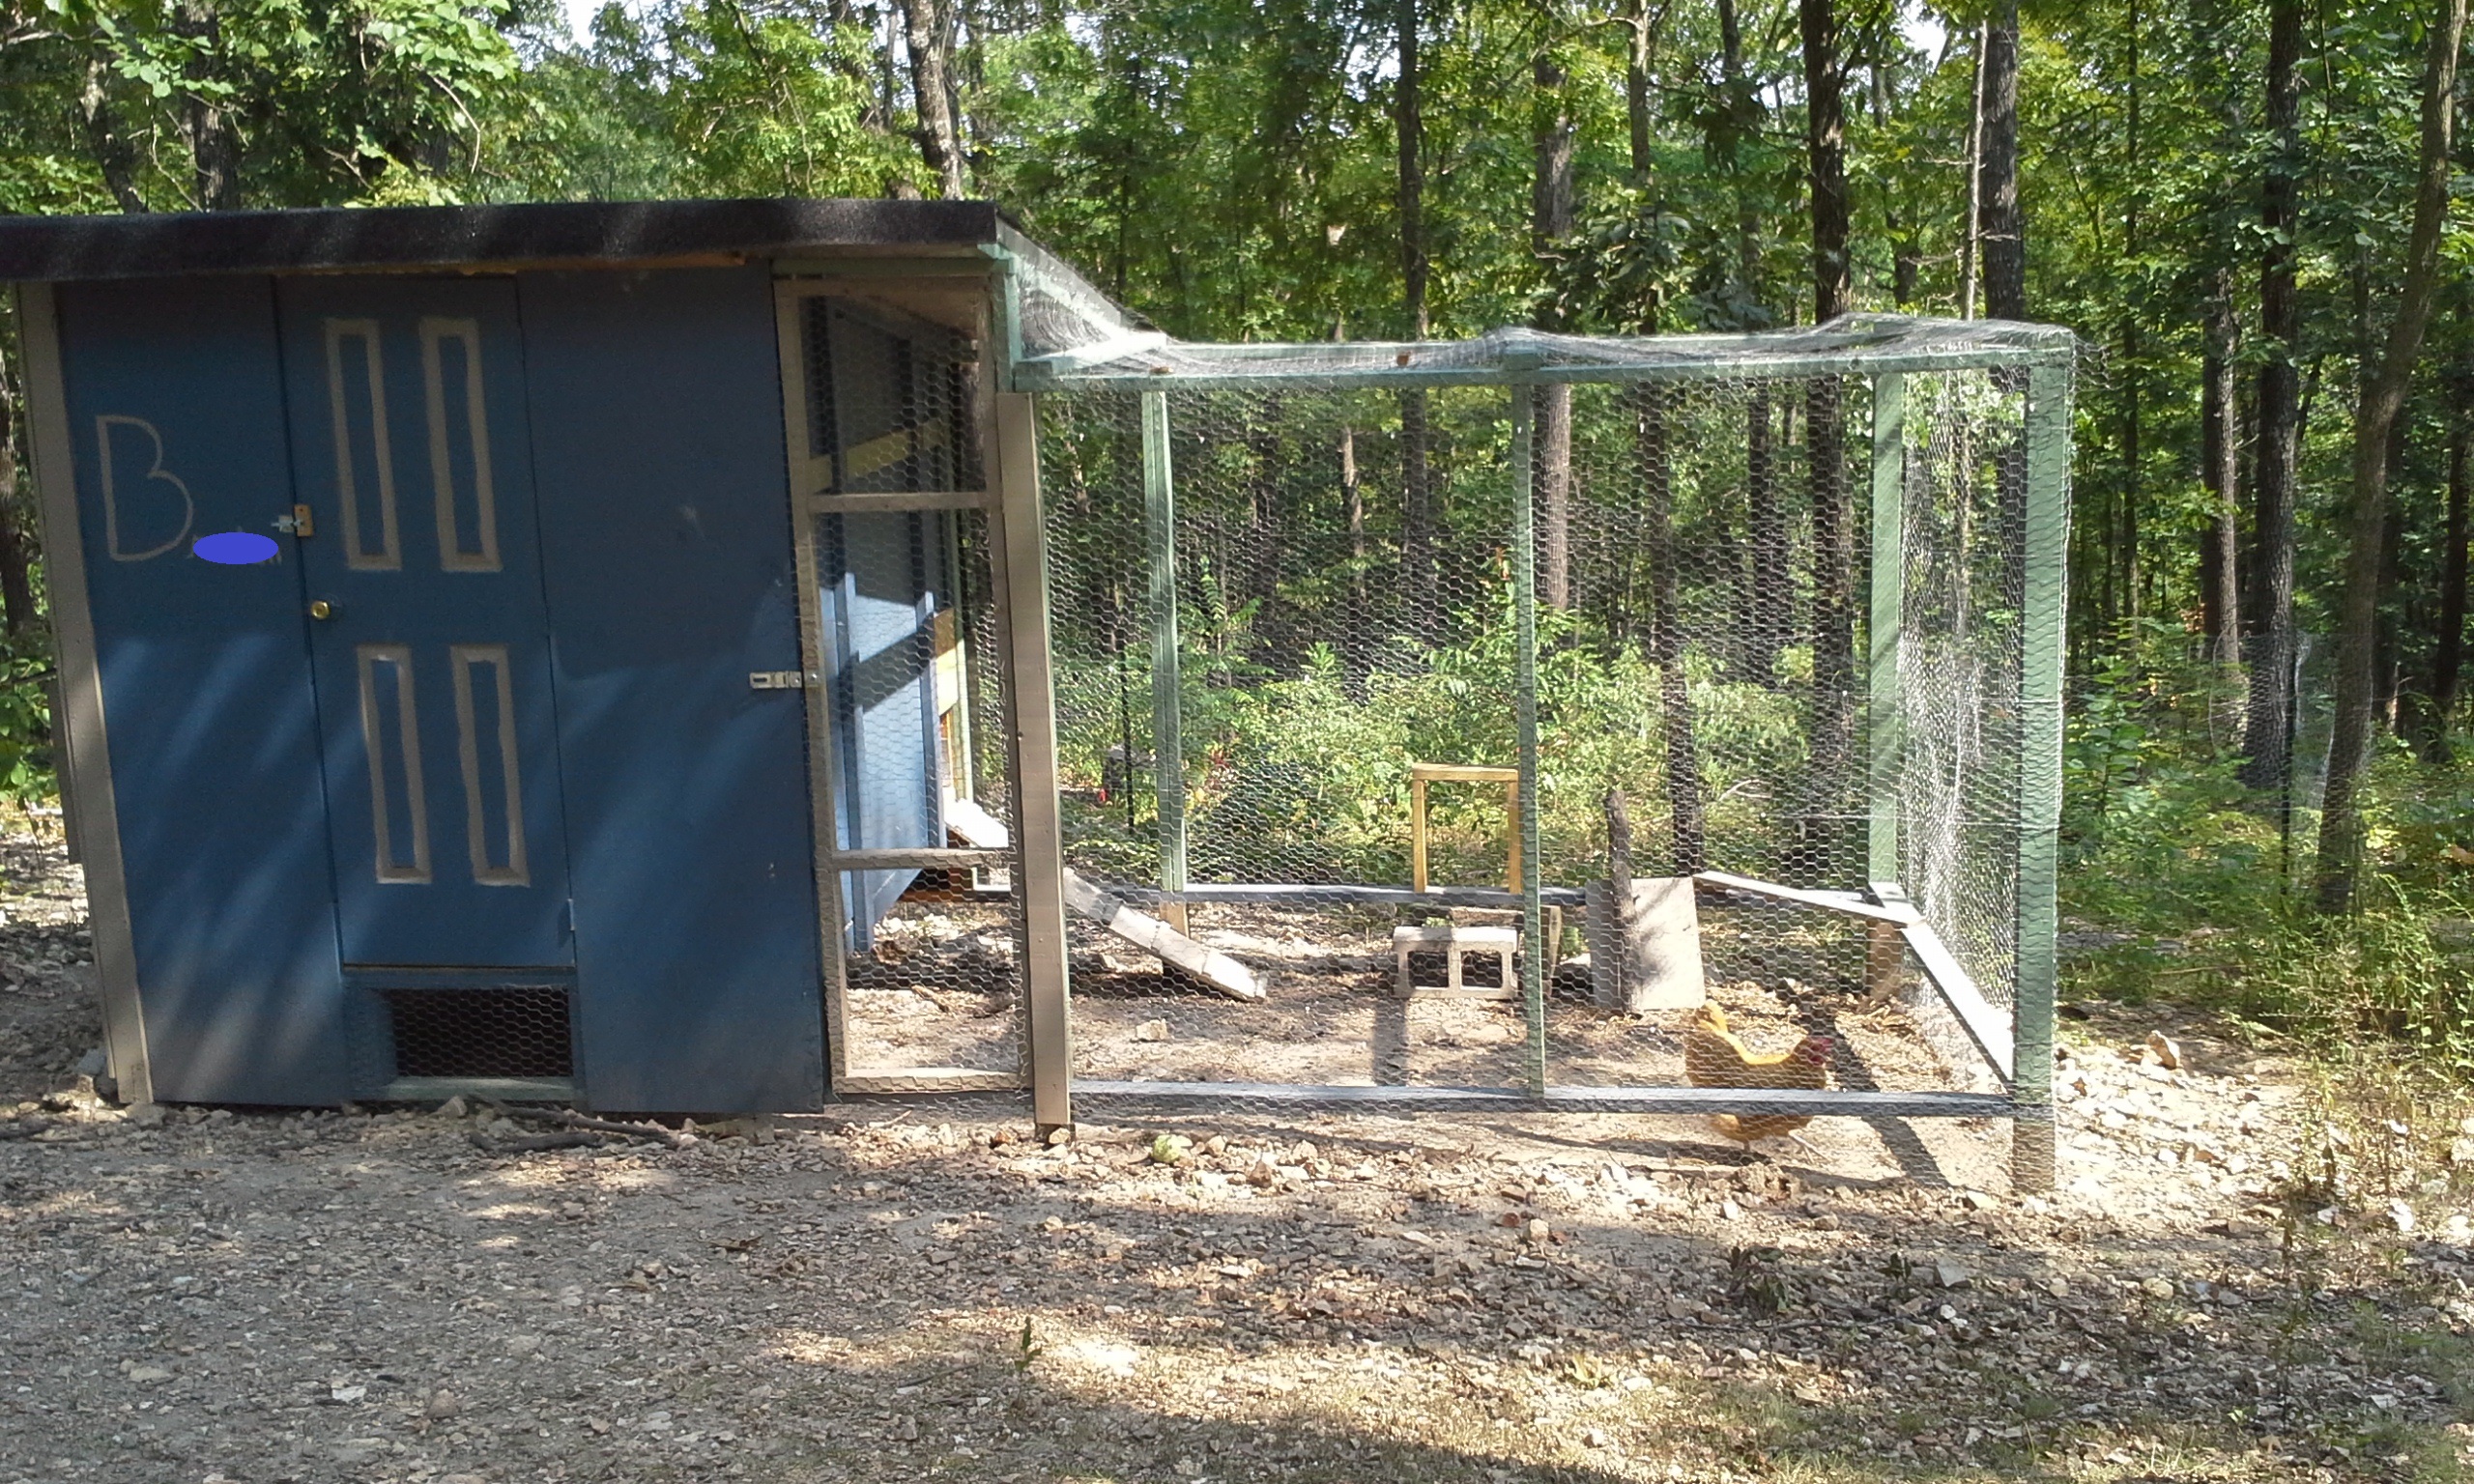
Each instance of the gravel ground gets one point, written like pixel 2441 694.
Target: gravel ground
pixel 398 1295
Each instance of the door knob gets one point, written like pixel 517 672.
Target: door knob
pixel 322 609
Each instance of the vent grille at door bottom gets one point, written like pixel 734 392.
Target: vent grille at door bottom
pixel 511 1032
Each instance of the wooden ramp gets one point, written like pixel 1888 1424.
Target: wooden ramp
pixel 983 830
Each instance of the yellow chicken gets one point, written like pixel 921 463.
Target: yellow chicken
pixel 1712 1057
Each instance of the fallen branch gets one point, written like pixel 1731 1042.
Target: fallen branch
pixel 528 1144
pixel 565 1119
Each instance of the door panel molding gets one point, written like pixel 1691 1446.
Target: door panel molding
pixel 357 556
pixel 487 869
pixel 452 555
pixel 373 734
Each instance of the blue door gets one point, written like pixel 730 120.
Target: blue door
pixel 881 577
pixel 428 633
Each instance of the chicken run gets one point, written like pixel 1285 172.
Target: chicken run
pixel 1648 725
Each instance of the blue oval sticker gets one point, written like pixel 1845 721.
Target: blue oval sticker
pixel 236 547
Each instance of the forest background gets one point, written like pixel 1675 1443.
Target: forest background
pixel 2244 211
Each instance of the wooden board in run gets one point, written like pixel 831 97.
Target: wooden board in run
pixel 1850 902
pixel 1154 936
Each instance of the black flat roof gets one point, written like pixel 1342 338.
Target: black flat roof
pixel 67 249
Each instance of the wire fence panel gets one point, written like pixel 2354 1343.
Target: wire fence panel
pixel 1288 624
pixel 909 704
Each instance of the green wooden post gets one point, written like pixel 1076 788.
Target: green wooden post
pixel 1524 601
pixel 1168 733
pixel 1885 726
pixel 2045 594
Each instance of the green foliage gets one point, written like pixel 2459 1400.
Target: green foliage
pixel 25 725
pixel 718 99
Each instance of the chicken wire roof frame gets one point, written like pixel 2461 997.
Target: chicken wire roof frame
pixel 1063 336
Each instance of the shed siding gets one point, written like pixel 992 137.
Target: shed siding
pixel 666 530
pixel 207 688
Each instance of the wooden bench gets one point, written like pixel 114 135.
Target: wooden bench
pixel 1451 942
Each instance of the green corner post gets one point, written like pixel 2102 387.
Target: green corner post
pixel 1524 604
pixel 1167 731
pixel 2044 597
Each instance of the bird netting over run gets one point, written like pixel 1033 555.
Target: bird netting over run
pixel 1467 717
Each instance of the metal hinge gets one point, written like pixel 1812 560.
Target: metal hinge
pixel 776 680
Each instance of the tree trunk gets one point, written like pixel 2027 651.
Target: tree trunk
pixel 2134 597
pixel 2340 832
pixel 1551 225
pixel 2005 241
pixel 2280 426
pixel 214 146
pixel 1972 240
pixel 1833 514
pixel 114 155
pixel 1742 116
pixel 2220 475
pixel 1654 477
pixel 1772 584
pixel 1642 24
pixel 924 35
pixel 16 540
pixel 1826 154
pixel 1905 260
pixel 2448 644
pixel 1418 515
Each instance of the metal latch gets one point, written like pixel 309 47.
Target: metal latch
pixel 776 680
pixel 299 523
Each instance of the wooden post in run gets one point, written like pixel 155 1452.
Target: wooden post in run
pixel 1023 555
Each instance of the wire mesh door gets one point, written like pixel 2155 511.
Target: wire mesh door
pixel 901 600
pixel 1762 637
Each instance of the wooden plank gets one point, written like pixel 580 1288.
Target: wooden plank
pixel 1835 901
pixel 1154 936
pixel 1154 1098
pixel 1657 964
pixel 85 753
pixel 978 828
pixel 1986 1025
pixel 824 777
pixel 915 858
pixel 1462 773
pixel 931 1079
pixel 898 501
pixel 1313 893
pixel 1021 557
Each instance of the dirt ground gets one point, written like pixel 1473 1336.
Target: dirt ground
pixel 202 1295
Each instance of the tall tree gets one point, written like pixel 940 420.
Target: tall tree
pixel 2383 398
pixel 2448 642
pixel 1418 523
pixel 1766 615
pixel 1833 514
pixel 2220 475
pixel 2265 736
pixel 929 43
pixel 2004 228
pixel 1550 229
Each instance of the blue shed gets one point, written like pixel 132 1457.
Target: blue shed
pixel 603 641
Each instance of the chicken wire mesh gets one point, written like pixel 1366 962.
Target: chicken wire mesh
pixel 1297 620
pixel 909 712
